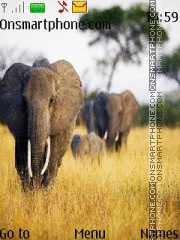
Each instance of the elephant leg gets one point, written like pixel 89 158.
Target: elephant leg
pixel 110 144
pixel 101 133
pixel 18 160
pixel 50 173
pixel 54 162
pixel 59 145
pixel 92 158
pixel 82 156
pixel 124 137
pixel 21 162
pixel 99 159
pixel 100 155
pixel 118 143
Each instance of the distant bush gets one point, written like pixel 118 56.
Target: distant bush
pixel 170 114
pixel 144 115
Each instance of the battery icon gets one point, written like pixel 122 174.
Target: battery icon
pixel 37 8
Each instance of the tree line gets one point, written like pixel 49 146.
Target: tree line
pixel 170 114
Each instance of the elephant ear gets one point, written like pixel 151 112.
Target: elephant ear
pixel 130 110
pixel 12 110
pixel 69 97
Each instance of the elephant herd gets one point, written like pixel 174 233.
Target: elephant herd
pixel 110 116
pixel 40 104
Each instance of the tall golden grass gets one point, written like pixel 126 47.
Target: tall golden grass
pixel 113 197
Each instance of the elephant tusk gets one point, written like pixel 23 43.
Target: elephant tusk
pixel 29 159
pixel 117 137
pixel 47 155
pixel 106 135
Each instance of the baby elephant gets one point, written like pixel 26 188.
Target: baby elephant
pixel 87 145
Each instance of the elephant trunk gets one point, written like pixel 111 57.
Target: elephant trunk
pixel 38 153
pixel 35 164
pixel 112 138
pixel 48 142
pixel 114 133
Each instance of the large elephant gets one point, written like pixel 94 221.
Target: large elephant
pixel 40 104
pixel 114 116
pixel 123 111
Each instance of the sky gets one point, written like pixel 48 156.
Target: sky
pixel 72 45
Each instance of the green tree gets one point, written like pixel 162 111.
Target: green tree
pixel 127 37
pixel 144 115
pixel 171 113
pixel 171 65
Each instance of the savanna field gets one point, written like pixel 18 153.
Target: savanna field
pixel 112 197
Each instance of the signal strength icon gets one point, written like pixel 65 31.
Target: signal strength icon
pixel 4 5
pixel 19 9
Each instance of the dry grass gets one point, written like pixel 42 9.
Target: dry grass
pixel 113 197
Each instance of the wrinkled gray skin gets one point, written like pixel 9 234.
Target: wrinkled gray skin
pixel 123 111
pixel 89 145
pixel 101 116
pixel 37 103
pixel 114 115
pixel 86 116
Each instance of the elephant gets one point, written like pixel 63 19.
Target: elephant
pixel 40 104
pixel 86 116
pixel 114 115
pixel 89 145
pixel 123 111
pixel 101 116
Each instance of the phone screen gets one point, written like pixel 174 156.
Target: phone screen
pixel 89 119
